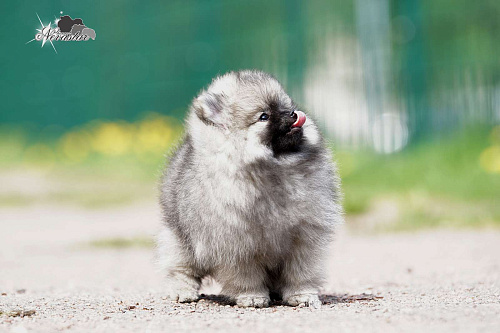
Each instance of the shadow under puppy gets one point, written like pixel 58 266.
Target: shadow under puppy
pixel 251 197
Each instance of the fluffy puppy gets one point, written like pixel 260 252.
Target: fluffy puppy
pixel 250 198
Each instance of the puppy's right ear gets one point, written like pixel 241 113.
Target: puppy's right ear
pixel 208 107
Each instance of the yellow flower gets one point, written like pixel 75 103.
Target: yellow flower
pixel 112 138
pixel 156 133
pixel 490 159
pixel 75 145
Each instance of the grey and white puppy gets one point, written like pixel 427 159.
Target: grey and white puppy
pixel 250 198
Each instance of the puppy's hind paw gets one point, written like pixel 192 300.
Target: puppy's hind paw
pixel 246 301
pixel 303 300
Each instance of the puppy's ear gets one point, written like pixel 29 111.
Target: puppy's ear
pixel 208 107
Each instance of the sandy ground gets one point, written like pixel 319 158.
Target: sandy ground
pixel 51 281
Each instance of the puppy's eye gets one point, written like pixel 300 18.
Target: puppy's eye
pixel 264 117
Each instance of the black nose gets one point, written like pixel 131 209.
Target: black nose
pixel 292 113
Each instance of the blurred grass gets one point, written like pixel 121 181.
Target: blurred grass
pixel 122 243
pixel 451 181
pixel 98 149
pixel 435 183
pixel 14 200
pixel 98 165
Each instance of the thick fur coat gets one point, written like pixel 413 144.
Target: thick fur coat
pixel 246 198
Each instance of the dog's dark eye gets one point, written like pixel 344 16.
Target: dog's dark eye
pixel 264 117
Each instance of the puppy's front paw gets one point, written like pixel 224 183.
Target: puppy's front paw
pixel 183 295
pixel 301 300
pixel 246 301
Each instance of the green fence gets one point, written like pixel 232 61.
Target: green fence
pixel 374 72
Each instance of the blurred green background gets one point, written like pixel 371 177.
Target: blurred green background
pixel 408 93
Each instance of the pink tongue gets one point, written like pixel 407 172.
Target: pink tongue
pixel 301 119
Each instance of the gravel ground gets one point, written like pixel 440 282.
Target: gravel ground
pixel 50 280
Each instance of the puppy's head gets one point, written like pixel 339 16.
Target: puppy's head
pixel 252 105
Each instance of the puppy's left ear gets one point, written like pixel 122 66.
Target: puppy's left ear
pixel 208 107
